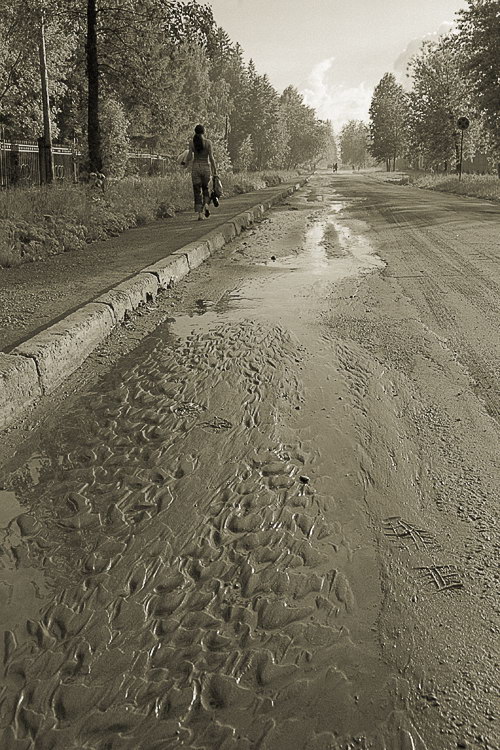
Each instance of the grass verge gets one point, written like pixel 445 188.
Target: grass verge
pixel 473 185
pixel 40 221
pixel 485 186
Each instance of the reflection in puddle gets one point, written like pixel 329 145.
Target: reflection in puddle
pixel 202 305
pixel 329 250
pixel 9 507
pixel 35 467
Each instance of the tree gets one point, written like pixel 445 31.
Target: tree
pixel 93 123
pixel 305 132
pixel 245 155
pixel 20 90
pixel 479 44
pixel 440 95
pixel 388 121
pixel 329 149
pixel 354 143
pixel 257 113
pixel 115 143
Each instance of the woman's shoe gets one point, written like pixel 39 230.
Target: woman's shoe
pixel 200 216
pixel 207 212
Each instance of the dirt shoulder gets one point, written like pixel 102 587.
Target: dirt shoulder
pixel 35 295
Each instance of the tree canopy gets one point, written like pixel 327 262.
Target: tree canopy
pixel 155 68
pixel 455 76
pixel 354 143
pixel 388 120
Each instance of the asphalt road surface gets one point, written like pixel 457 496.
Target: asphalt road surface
pixel 269 522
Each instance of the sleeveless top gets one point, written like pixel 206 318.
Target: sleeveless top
pixel 201 156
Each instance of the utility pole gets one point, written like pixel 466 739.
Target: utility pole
pixel 48 157
pixel 94 130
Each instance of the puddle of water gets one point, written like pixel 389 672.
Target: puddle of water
pixel 330 250
pixel 9 507
pixel 35 465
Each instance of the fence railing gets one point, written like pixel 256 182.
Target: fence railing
pixel 21 163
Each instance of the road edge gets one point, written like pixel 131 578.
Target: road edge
pixel 40 364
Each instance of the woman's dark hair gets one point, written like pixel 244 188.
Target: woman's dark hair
pixel 198 140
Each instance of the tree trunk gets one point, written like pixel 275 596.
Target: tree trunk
pixel 94 131
pixel 498 169
pixel 387 165
pixel 48 159
pixel 394 163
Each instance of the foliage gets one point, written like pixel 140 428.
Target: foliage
pixel 115 142
pixel 354 143
pixel 388 121
pixel 245 155
pixel 479 45
pixel 302 127
pixel 440 95
pixel 151 71
pixel 37 222
pixel 20 87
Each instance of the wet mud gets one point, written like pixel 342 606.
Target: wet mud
pixel 247 534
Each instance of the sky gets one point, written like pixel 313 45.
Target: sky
pixel 333 51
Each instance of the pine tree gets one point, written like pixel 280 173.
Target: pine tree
pixel 388 121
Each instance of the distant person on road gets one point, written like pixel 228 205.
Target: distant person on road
pixel 201 156
pixel 335 167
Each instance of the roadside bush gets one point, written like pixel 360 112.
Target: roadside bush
pixel 41 221
pixel 9 255
pixel 115 142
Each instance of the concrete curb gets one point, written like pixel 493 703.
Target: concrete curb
pixel 39 365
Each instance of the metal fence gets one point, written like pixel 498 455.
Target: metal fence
pixel 147 164
pixel 20 163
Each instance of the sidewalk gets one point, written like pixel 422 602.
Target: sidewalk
pixel 55 313
pixel 35 295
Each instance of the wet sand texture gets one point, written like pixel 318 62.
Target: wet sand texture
pixel 248 534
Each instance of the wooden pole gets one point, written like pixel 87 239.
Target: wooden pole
pixel 47 134
pixel 94 129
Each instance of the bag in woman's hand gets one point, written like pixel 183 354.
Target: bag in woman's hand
pixel 217 191
pixel 182 159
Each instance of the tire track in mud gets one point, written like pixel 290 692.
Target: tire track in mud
pixel 196 603
pixel 475 289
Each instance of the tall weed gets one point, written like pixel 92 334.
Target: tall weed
pixel 41 221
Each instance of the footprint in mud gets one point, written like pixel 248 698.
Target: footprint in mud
pixel 440 577
pixel 217 424
pixel 196 620
pixel 398 529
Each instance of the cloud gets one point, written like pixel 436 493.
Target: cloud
pixel 333 101
pixel 413 48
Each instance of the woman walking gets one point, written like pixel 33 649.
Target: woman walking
pixel 200 153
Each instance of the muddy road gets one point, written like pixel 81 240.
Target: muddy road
pixel 270 523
